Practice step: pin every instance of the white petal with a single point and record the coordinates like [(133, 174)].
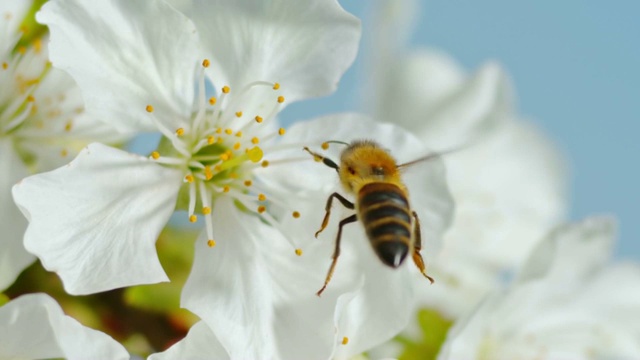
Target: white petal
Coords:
[(126, 55), (200, 343), (425, 93), (516, 194), (229, 287), (96, 220), (304, 45), (34, 327), (572, 251), (13, 256)]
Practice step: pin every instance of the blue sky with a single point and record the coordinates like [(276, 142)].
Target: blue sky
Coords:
[(575, 68)]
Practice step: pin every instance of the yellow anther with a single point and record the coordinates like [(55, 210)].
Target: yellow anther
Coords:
[(224, 157), (68, 126), (239, 134), (236, 146), (180, 132), (262, 197), (282, 131), (299, 252), (295, 214), (206, 63), (208, 174), (206, 210), (64, 153), (211, 243), (219, 131), (276, 86), (5, 66), (228, 131), (255, 140), (280, 99), (226, 188), (325, 145), (255, 154), (211, 139), (238, 114), (193, 218), (262, 209), (248, 183), (226, 89), (149, 108), (189, 178), (30, 98), (155, 155), (259, 119), (212, 100), (265, 163), (345, 340)]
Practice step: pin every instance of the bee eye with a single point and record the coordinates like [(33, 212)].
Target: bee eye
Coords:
[(351, 170), (377, 170)]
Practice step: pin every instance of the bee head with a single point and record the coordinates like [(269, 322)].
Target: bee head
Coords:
[(363, 162)]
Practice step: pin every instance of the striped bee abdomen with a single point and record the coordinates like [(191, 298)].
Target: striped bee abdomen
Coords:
[(384, 211)]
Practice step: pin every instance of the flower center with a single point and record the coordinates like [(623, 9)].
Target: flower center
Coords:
[(222, 147)]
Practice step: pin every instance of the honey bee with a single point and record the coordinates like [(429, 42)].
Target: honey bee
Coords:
[(370, 174)]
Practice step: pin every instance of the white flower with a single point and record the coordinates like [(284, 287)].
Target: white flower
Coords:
[(366, 302), (34, 327), (508, 180), (566, 304), (96, 220), (42, 125)]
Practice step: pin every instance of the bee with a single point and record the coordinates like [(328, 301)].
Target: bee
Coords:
[(372, 176)]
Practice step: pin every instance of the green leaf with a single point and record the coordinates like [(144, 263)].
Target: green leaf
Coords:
[(434, 332)]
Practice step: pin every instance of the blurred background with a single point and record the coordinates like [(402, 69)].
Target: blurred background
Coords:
[(575, 67)]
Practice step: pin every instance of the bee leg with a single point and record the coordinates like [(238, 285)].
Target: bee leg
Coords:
[(417, 246), (336, 252), (346, 203), (322, 159)]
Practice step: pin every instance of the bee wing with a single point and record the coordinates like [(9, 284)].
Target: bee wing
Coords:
[(430, 157)]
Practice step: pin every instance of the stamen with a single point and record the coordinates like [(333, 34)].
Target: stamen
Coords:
[(189, 178), (258, 119), (193, 218), (192, 200), (206, 63), (325, 145), (299, 252), (149, 108), (239, 134), (262, 197), (226, 188), (155, 155), (248, 183), (180, 132), (68, 126), (276, 86), (281, 131), (208, 174), (262, 209), (265, 163), (211, 243), (5, 66), (255, 140), (238, 114), (280, 99), (237, 146), (228, 131), (212, 100), (226, 89), (295, 214), (345, 340), (206, 210)]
